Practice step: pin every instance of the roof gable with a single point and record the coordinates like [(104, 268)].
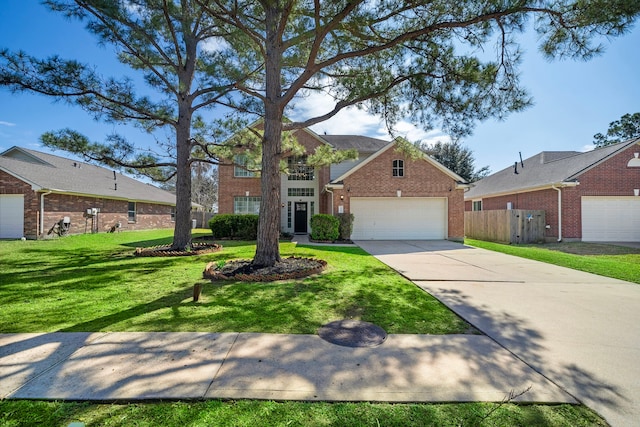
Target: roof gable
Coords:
[(18, 153), (388, 146)]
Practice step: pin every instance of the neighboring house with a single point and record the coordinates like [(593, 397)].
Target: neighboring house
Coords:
[(38, 190), (390, 195), (590, 196)]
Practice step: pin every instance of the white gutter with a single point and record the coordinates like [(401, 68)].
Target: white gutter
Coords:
[(326, 188), (42, 212), (559, 190)]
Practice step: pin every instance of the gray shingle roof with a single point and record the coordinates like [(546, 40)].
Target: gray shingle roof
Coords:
[(363, 144), (50, 172), (543, 170)]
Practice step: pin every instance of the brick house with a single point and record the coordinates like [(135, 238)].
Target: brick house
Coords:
[(591, 196), (39, 190), (390, 195)]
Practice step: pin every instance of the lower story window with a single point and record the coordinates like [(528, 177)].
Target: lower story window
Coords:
[(173, 214), (132, 212), (477, 205), (288, 214), (246, 205)]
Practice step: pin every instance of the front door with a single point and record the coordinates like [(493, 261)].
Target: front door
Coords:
[(300, 225)]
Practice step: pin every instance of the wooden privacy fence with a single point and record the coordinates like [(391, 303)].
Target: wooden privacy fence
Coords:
[(505, 226)]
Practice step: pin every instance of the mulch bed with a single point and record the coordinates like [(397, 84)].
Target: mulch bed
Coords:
[(243, 270), (197, 248)]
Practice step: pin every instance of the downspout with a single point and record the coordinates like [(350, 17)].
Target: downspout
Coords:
[(42, 212), (326, 188), (559, 190)]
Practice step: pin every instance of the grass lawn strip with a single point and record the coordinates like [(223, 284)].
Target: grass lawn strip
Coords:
[(90, 283), (268, 413), (618, 262)]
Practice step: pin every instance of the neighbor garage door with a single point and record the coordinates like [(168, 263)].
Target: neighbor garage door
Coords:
[(393, 218), (11, 216), (611, 219)]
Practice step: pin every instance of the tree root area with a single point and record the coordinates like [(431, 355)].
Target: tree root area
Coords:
[(245, 271)]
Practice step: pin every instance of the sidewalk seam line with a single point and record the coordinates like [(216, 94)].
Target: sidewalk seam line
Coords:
[(224, 359)]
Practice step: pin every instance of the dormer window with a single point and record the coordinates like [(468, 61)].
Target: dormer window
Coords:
[(397, 169)]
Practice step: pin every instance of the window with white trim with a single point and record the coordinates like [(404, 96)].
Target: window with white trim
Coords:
[(246, 205), (300, 192), (299, 170), (240, 167), (397, 168), (131, 212)]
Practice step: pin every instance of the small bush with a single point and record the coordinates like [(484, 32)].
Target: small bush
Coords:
[(324, 227), (232, 226), (346, 225)]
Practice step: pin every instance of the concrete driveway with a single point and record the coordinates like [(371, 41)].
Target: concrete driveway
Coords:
[(580, 330)]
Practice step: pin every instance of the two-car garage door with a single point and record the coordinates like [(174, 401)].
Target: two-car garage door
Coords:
[(392, 218), (11, 216), (611, 219)]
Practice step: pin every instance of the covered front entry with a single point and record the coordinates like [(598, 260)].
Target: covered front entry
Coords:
[(300, 218), (611, 219), (11, 216), (393, 218)]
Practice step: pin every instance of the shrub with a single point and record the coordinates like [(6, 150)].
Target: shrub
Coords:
[(346, 225), (324, 227), (230, 226)]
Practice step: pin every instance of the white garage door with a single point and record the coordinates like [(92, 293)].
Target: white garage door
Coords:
[(393, 218), (11, 216), (611, 219)]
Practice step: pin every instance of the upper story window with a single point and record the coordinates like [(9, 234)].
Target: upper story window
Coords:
[(398, 168), (477, 205), (240, 167), (299, 170)]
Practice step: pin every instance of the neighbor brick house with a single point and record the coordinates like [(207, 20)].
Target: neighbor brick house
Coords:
[(591, 196), (390, 195), (39, 190)]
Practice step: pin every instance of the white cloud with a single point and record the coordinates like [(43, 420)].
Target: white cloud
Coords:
[(3, 123), (586, 148), (355, 121), (214, 44)]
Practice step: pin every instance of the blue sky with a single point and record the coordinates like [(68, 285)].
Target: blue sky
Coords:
[(573, 99)]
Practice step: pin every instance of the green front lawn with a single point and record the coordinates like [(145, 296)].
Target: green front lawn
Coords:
[(94, 283), (267, 413), (618, 262)]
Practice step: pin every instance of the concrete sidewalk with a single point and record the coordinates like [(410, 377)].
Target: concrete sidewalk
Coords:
[(120, 366)]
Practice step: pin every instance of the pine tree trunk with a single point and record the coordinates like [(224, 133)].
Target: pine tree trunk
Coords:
[(182, 230), (268, 249)]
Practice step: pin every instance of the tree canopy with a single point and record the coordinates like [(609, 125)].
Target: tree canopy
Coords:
[(440, 63), (627, 127), (458, 158)]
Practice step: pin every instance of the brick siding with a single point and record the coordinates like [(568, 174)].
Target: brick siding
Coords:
[(373, 180), (421, 179), (57, 206), (610, 178)]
